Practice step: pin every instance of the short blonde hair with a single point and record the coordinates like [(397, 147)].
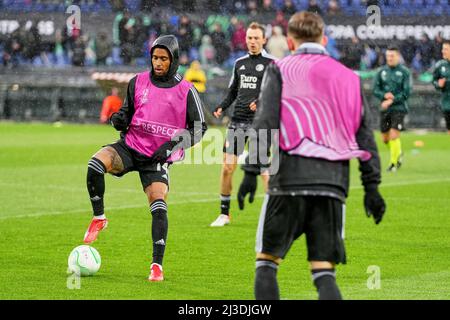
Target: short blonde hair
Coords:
[(256, 25), (306, 27)]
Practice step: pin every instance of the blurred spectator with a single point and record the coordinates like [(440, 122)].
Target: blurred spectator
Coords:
[(128, 43), (103, 48), (207, 51), (267, 7), (370, 57), (437, 47), (252, 8), (59, 55), (196, 76), (289, 8), (78, 52), (141, 35), (70, 35), (425, 51), (277, 44), (408, 50), (351, 54), (31, 42), (238, 42), (218, 40), (111, 104), (238, 7), (185, 34), (122, 26), (212, 20), (314, 7), (13, 47), (280, 21), (333, 8), (90, 56), (183, 63), (117, 25)]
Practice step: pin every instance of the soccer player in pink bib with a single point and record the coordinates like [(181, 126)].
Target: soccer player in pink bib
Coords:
[(161, 116), (316, 105)]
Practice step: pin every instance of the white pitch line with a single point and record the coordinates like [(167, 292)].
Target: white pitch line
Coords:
[(395, 184), (40, 214), (137, 190), (87, 210)]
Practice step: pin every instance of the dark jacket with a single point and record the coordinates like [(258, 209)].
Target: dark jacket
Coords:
[(396, 80), (299, 175), (442, 71), (245, 85)]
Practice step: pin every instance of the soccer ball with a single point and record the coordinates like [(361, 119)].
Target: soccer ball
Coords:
[(84, 261)]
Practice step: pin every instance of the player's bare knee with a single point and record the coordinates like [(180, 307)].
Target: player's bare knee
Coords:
[(154, 192), (314, 265), (105, 155), (269, 257), (228, 169), (112, 160)]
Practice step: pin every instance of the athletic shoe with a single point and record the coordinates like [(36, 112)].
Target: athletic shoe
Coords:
[(95, 227), (392, 168), (156, 273), (400, 161), (221, 221)]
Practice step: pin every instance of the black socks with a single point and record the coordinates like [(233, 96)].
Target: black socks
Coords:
[(96, 185), (266, 285), (160, 225), (325, 282), (225, 204)]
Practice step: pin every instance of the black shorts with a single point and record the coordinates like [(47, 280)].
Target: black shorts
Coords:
[(285, 218), (237, 136), (135, 161), (392, 120), (447, 119)]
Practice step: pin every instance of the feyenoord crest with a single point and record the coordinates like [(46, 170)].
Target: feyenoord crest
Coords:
[(260, 67)]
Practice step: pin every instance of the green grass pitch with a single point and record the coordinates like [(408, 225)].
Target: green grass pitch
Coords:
[(45, 211)]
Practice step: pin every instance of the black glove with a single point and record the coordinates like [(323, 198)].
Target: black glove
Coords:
[(374, 204), (163, 153), (248, 185), (118, 121)]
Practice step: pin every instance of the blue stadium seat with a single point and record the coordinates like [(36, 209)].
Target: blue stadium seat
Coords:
[(355, 7)]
